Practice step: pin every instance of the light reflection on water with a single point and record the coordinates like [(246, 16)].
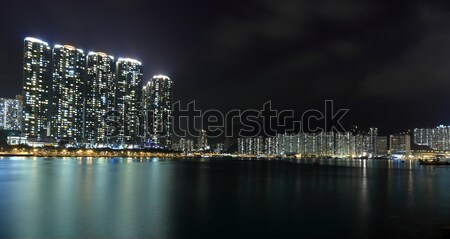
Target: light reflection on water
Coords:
[(165, 198)]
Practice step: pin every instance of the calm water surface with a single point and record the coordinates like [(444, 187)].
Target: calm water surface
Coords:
[(123, 198)]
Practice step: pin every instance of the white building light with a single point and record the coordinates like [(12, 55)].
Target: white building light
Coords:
[(32, 39)]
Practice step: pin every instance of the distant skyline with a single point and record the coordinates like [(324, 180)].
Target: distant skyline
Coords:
[(385, 61)]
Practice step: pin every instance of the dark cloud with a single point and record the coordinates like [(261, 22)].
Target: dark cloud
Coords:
[(424, 68), (232, 54)]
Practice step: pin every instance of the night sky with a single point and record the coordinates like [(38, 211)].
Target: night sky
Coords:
[(387, 61)]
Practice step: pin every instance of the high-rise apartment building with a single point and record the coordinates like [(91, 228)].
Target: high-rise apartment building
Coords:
[(342, 144), (437, 138), (99, 97), (68, 85), (10, 114), (91, 99), (441, 138), (36, 87), (381, 146), (400, 144), (157, 104), (128, 101), (373, 133), (423, 136), (202, 142)]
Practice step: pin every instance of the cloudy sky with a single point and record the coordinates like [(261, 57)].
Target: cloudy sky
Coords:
[(387, 61)]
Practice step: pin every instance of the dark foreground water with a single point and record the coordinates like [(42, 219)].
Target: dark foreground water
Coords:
[(122, 198)]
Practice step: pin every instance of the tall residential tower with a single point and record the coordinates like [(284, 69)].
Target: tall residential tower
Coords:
[(99, 96), (68, 84), (157, 104), (128, 100), (36, 87)]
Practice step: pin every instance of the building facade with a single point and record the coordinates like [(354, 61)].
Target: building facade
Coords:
[(400, 144), (10, 114), (157, 104), (68, 86), (128, 101), (321, 144), (423, 136), (90, 99), (36, 87), (437, 138), (381, 146), (202, 141), (373, 133), (99, 97)]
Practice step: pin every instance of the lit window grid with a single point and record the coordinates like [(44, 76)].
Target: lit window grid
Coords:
[(36, 72)]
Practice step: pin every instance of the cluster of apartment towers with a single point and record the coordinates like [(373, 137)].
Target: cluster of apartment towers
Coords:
[(92, 99), (333, 144)]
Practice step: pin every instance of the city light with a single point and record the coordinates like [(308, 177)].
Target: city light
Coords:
[(32, 39), (129, 60)]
